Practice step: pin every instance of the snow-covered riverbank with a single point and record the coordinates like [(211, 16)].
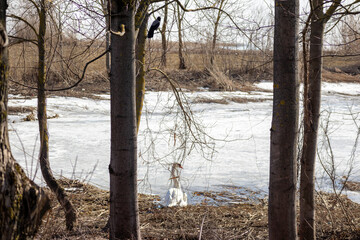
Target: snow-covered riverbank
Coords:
[(80, 139)]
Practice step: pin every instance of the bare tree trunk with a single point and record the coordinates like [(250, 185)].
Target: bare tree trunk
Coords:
[(61, 43), (107, 34), (312, 102), (22, 203), (216, 25), (163, 35), (140, 78), (284, 128), (70, 213), (181, 56), (124, 212), (311, 123)]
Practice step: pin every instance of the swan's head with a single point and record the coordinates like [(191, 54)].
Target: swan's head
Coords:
[(176, 165)]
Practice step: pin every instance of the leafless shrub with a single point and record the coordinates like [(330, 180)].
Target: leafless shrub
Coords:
[(221, 80), (338, 178)]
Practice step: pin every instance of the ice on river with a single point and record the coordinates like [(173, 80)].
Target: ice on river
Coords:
[(239, 135)]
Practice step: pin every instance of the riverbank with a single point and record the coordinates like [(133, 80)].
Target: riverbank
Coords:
[(337, 217)]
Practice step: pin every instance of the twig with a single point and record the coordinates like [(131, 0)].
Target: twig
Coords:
[(201, 226)]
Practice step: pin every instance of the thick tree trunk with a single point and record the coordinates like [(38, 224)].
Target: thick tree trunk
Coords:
[(163, 35), (140, 78), (284, 128), (22, 203), (182, 64), (70, 213), (124, 213), (311, 124)]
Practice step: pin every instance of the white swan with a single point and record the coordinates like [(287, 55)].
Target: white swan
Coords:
[(175, 196)]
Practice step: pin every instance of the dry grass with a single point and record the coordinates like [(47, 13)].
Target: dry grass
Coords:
[(210, 100), (232, 69), (352, 186), (245, 100), (240, 221), (227, 100), (340, 62), (339, 77), (341, 69), (220, 80), (18, 110), (337, 218)]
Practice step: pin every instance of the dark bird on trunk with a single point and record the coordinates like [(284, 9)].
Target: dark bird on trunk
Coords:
[(153, 27)]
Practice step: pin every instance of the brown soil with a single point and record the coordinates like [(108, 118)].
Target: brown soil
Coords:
[(337, 218)]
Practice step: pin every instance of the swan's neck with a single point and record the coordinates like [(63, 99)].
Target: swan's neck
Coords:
[(175, 177), (176, 183)]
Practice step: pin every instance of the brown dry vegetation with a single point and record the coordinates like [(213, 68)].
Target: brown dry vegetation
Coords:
[(232, 70), (337, 218), (227, 100), (341, 68)]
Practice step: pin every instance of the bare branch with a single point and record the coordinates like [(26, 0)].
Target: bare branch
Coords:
[(21, 40), (26, 22), (70, 87), (213, 8)]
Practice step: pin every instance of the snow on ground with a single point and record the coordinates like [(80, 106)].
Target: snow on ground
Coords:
[(80, 139)]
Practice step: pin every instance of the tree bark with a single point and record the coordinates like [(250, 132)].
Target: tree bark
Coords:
[(61, 43), (140, 78), (104, 5), (163, 35), (182, 64), (70, 213), (215, 35), (284, 128), (22, 203), (312, 102), (311, 124), (124, 213)]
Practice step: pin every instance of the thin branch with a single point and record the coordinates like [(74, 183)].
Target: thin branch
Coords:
[(26, 22), (212, 8), (331, 10), (36, 6), (21, 40)]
